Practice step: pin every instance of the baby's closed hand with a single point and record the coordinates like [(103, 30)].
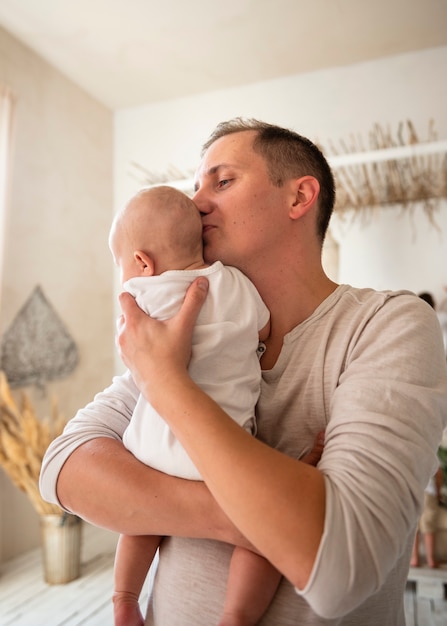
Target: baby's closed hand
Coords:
[(315, 454)]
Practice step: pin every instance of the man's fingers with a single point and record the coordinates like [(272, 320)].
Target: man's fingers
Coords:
[(130, 312), (127, 302), (194, 299)]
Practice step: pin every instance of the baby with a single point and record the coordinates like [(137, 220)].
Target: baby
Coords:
[(156, 242)]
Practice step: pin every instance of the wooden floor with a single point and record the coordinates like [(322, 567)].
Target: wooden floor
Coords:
[(26, 600), (426, 597), (421, 611)]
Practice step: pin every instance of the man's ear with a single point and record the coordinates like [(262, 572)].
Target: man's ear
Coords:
[(306, 190), (144, 262)]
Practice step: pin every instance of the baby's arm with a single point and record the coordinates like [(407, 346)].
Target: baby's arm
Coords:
[(134, 555)]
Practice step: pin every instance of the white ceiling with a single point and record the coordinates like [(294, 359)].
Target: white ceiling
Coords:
[(131, 52)]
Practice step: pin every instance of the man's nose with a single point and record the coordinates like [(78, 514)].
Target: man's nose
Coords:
[(201, 201)]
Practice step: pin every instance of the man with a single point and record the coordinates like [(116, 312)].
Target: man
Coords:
[(365, 366)]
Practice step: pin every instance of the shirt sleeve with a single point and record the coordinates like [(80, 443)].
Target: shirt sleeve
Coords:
[(106, 416), (386, 420)]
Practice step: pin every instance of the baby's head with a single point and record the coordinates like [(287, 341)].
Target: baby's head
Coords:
[(159, 229)]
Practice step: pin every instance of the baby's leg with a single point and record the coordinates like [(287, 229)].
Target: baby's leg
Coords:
[(134, 555), (252, 583)]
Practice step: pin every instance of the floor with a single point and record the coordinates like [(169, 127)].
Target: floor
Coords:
[(26, 599), (426, 597)]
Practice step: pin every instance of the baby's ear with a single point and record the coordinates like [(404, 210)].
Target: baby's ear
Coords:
[(144, 262)]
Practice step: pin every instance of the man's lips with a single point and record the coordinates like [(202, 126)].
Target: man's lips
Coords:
[(207, 227)]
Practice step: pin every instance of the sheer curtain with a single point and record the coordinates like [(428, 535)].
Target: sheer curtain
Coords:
[(7, 102)]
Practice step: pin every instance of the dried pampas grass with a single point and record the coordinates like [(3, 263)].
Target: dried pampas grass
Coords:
[(406, 181), (24, 439)]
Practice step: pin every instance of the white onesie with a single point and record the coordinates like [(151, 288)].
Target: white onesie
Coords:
[(224, 361)]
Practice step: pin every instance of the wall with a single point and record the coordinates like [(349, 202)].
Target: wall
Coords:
[(395, 250), (327, 105), (59, 215)]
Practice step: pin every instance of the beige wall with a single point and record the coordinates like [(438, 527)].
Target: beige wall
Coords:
[(60, 210)]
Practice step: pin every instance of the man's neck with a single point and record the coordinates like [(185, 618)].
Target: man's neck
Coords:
[(291, 299)]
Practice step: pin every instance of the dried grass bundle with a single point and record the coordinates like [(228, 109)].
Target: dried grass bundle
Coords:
[(24, 439), (407, 181)]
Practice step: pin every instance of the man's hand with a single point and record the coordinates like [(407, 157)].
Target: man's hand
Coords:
[(152, 349)]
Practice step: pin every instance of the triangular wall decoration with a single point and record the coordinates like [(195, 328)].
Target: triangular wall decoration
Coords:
[(37, 347)]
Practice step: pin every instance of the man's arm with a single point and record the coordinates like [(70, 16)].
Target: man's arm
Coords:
[(88, 471), (105, 484)]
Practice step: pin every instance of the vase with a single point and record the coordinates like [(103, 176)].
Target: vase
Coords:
[(61, 547)]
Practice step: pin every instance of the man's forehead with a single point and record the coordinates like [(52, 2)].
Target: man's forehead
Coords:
[(228, 151), (233, 141), (210, 170)]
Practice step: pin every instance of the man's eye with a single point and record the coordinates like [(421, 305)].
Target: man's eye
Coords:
[(224, 182)]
